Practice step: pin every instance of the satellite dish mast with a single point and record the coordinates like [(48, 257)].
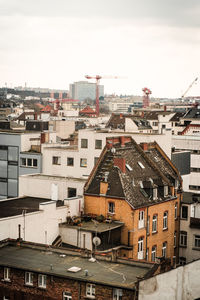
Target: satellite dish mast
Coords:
[(96, 241)]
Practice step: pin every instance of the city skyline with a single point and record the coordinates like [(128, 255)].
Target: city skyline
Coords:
[(148, 43)]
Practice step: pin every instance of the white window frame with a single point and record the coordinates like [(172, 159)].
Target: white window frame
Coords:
[(90, 290), (28, 278), (175, 239), (67, 296), (176, 211), (197, 240), (165, 190), (155, 193), (183, 238), (83, 162), (154, 223), (82, 143), (141, 248), (111, 207), (148, 225), (165, 220), (117, 294), (26, 162), (6, 273), (153, 253), (43, 283), (141, 219), (58, 158), (97, 146), (164, 249)]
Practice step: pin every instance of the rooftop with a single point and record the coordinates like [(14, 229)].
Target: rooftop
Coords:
[(56, 263), (15, 207), (53, 177)]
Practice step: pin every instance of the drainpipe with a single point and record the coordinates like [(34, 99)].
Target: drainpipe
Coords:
[(146, 232)]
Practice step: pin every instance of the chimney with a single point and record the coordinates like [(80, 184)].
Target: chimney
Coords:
[(144, 146), (120, 163), (165, 108), (121, 116), (122, 141), (35, 116)]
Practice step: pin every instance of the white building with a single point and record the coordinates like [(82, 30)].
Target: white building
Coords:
[(82, 90)]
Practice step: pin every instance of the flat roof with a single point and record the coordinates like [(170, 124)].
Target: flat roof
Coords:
[(15, 207), (49, 262), (53, 177), (95, 227)]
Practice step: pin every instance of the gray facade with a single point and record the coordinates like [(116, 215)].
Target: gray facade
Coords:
[(12, 164), (182, 161), (82, 90)]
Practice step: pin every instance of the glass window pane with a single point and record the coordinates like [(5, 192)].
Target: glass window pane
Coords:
[(3, 169), (3, 154), (3, 189), (12, 172), (12, 188), (13, 153)]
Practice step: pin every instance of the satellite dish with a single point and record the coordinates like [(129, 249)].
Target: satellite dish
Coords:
[(96, 241)]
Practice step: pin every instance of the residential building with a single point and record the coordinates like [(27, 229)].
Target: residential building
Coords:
[(33, 272), (189, 242), (140, 187), (82, 90)]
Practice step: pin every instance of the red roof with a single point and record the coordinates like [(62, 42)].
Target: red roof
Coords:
[(47, 108), (88, 110)]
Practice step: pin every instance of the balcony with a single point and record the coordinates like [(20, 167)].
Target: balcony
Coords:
[(195, 223)]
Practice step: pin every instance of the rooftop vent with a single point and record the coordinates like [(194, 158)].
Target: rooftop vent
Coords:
[(141, 165), (129, 167)]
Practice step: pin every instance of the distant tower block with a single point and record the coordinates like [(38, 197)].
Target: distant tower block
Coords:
[(52, 95), (60, 95), (147, 92)]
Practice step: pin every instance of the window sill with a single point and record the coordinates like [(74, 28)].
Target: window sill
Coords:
[(42, 287), (28, 167), (154, 232), (89, 297), (6, 280), (164, 229), (195, 248), (182, 246), (28, 285), (56, 164)]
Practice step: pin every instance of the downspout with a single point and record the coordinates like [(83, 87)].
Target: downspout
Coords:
[(146, 232)]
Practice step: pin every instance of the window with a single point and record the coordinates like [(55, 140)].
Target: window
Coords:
[(155, 194), (56, 160), (197, 241), (176, 210), (148, 223), (147, 254), (164, 249), (7, 274), (71, 192), (154, 224), (84, 143), (141, 165), (175, 235), (141, 219), (6, 298), (70, 161), (165, 190), (111, 207), (183, 238), (184, 212), (42, 281), (98, 144), (153, 253), (83, 162), (95, 160), (165, 217), (140, 247), (29, 162), (117, 294), (29, 278), (90, 290), (67, 296)]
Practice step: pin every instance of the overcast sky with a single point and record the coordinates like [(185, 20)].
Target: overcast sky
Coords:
[(52, 43)]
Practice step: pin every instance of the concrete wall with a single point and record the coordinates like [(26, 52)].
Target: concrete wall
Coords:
[(75, 237), (37, 227), (178, 284)]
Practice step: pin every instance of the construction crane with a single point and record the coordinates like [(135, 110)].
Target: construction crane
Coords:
[(190, 86), (98, 77), (147, 92)]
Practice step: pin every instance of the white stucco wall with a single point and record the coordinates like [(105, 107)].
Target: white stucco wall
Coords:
[(75, 237), (38, 227), (178, 284)]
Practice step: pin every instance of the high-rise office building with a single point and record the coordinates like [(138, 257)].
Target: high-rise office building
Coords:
[(82, 90)]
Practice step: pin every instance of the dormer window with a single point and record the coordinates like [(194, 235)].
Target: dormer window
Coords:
[(155, 193), (165, 190)]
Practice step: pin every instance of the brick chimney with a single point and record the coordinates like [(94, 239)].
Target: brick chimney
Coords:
[(120, 163), (144, 146)]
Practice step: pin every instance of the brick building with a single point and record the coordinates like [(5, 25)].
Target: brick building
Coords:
[(31, 271), (139, 186)]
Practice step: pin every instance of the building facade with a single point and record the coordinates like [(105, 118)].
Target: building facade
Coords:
[(82, 90)]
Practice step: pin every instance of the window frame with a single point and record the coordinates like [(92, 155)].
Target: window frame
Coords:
[(184, 206), (111, 207), (43, 281), (58, 163), (164, 249), (96, 146), (6, 274), (24, 162), (154, 223), (153, 253), (30, 278), (176, 210), (82, 143), (183, 239), (141, 217), (90, 290), (69, 190), (67, 295), (197, 238), (165, 220), (117, 294), (83, 165), (69, 164), (141, 247)]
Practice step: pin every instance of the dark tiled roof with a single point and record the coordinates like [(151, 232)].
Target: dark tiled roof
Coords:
[(177, 116), (193, 113), (15, 207), (143, 171), (117, 121)]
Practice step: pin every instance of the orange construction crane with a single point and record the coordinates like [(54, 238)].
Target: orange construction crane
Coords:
[(98, 77)]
